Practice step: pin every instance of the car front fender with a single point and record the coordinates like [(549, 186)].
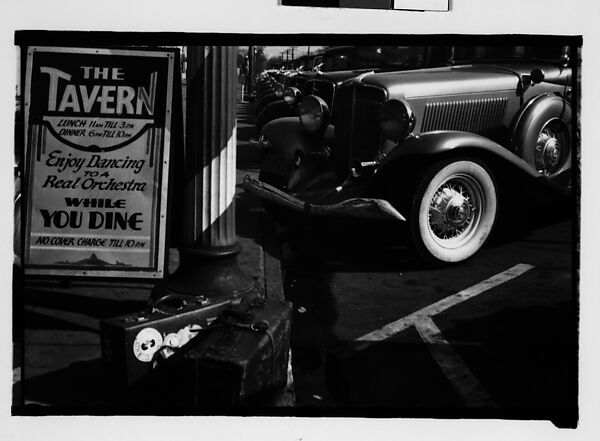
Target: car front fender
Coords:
[(287, 137), (427, 146), (273, 111), (265, 100), (410, 157)]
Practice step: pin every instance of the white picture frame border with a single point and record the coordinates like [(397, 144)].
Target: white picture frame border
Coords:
[(417, 5)]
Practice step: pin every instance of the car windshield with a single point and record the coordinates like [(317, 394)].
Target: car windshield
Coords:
[(337, 61), (550, 53), (405, 57), (365, 57), (307, 63)]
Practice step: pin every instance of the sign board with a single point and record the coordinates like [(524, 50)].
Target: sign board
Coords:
[(97, 134)]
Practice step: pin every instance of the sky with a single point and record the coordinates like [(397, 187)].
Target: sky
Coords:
[(271, 51)]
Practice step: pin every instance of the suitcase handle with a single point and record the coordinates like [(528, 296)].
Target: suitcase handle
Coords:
[(183, 301)]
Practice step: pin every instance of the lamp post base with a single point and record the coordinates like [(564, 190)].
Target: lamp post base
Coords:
[(208, 272)]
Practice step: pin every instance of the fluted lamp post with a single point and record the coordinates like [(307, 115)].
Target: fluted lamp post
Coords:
[(208, 244)]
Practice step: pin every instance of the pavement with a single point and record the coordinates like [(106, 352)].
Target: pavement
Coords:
[(378, 333), (57, 352)]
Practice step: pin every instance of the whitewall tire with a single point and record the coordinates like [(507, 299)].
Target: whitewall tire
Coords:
[(453, 210)]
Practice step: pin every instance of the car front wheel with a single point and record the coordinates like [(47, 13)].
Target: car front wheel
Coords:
[(453, 210)]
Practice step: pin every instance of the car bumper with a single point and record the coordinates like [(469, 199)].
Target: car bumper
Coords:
[(370, 208)]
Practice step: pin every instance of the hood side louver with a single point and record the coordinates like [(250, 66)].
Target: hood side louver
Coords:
[(473, 115)]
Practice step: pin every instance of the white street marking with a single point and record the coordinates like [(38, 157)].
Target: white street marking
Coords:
[(456, 371), (410, 320)]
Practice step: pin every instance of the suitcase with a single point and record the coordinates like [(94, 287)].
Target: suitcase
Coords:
[(238, 361), (133, 344)]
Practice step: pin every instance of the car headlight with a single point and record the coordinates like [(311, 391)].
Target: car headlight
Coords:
[(264, 144), (291, 94), (314, 113), (279, 91), (397, 120)]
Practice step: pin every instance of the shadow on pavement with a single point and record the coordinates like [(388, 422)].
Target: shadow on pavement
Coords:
[(398, 374), (536, 209), (378, 245), (314, 315), (526, 359), (531, 375), (94, 307), (78, 388)]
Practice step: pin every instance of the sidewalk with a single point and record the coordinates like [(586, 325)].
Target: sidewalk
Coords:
[(57, 349)]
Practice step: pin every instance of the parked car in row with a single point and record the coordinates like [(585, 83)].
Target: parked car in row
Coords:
[(271, 84), (356, 60), (437, 148), (331, 60)]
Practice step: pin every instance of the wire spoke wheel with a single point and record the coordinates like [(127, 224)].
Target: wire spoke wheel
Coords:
[(552, 147), (453, 212)]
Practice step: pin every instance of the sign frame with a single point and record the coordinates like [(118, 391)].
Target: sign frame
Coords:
[(157, 259)]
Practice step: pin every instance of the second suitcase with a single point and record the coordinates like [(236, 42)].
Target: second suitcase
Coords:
[(236, 362)]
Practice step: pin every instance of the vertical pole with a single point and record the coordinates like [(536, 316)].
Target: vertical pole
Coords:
[(251, 68), (208, 263)]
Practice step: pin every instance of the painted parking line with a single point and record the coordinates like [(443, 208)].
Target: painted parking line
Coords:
[(466, 385), (400, 325)]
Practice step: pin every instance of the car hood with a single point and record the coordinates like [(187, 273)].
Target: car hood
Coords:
[(453, 80), (343, 75), (336, 77)]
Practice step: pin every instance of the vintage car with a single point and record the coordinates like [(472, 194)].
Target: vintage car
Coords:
[(342, 63), (436, 148), (307, 63), (274, 102), (311, 62), (271, 89), (271, 84)]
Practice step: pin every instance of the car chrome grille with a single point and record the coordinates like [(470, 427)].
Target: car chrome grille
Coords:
[(321, 88), (473, 115), (298, 82), (357, 129)]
